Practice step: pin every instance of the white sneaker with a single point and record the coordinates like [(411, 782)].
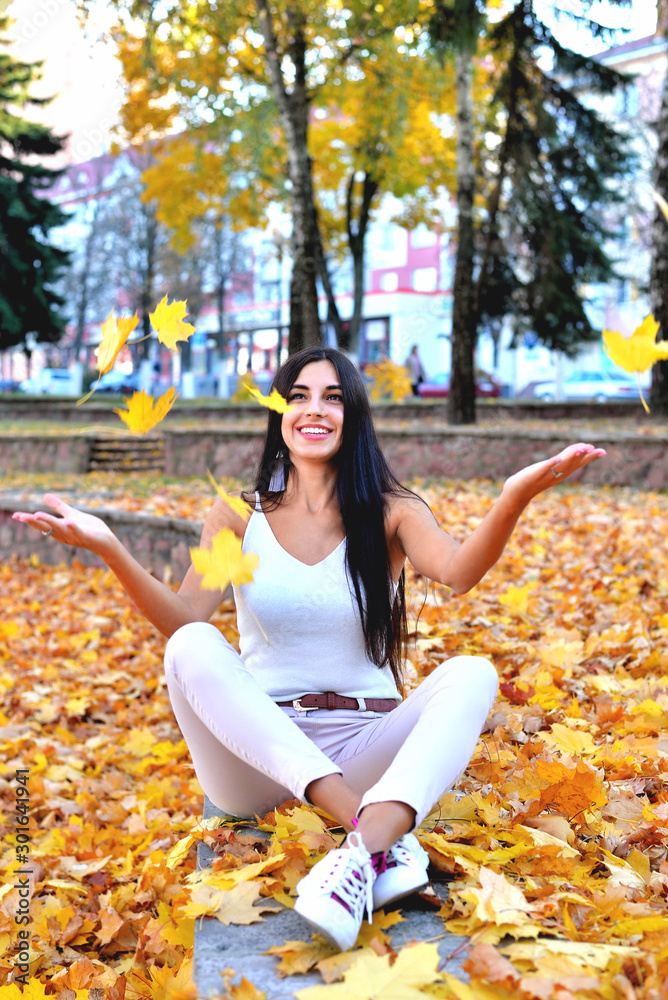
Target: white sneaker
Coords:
[(405, 872), (337, 891)]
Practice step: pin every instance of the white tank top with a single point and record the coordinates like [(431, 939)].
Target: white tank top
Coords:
[(311, 620)]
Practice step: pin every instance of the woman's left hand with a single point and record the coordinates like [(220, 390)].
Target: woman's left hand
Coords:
[(529, 482)]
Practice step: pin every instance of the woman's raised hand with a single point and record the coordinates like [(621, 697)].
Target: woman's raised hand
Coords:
[(536, 478), (69, 525)]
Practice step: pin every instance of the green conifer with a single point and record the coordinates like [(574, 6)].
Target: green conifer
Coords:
[(29, 264)]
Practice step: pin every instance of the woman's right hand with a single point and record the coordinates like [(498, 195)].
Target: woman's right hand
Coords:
[(69, 525)]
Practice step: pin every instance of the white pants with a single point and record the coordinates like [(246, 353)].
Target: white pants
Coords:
[(250, 755)]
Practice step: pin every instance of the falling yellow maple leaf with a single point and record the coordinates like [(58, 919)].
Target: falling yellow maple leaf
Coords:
[(144, 413), (114, 335), (224, 562), (238, 505), (167, 321), (638, 352), (274, 401)]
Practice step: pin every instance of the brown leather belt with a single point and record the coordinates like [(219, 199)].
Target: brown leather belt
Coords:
[(329, 700)]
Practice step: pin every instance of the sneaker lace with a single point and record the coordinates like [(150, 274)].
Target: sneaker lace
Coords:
[(363, 876)]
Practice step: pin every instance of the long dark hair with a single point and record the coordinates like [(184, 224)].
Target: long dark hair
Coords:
[(363, 486)]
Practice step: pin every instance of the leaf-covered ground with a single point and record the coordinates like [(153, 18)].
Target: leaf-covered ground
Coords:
[(557, 848)]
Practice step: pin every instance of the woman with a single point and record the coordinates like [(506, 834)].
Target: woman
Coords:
[(311, 707), (415, 369)]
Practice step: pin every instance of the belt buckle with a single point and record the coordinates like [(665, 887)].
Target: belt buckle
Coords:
[(298, 707)]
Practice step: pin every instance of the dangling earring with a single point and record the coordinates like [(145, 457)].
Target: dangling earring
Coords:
[(277, 481)]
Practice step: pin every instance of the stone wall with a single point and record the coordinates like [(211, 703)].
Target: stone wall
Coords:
[(44, 453), (225, 451), (439, 452), (431, 451), (160, 544)]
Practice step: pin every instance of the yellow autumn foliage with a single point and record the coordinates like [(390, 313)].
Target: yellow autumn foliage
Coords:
[(388, 380), (556, 836)]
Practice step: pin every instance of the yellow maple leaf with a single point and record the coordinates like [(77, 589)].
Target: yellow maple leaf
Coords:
[(172, 984), (167, 321), (243, 990), (517, 598), (298, 957), (34, 990), (238, 905), (224, 562), (638, 352), (274, 401), (179, 932), (114, 335), (569, 740), (238, 505), (498, 900), (144, 412), (373, 976)]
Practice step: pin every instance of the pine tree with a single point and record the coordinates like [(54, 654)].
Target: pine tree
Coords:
[(29, 264), (556, 176), (548, 181)]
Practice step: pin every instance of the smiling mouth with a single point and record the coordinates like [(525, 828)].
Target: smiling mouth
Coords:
[(314, 432)]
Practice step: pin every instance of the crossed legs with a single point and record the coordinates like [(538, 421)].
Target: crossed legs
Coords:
[(250, 755)]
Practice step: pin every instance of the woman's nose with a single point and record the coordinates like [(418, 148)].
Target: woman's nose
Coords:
[(314, 407)]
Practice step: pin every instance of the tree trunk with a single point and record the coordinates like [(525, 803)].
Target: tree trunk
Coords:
[(221, 278), (305, 327), (82, 307), (461, 400), (494, 200), (148, 279), (659, 264), (357, 230)]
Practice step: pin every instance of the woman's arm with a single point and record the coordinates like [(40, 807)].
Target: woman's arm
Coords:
[(437, 555), (156, 601)]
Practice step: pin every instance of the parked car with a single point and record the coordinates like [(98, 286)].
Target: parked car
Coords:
[(9, 385), (51, 382), (599, 386), (119, 382), (29, 385), (438, 387)]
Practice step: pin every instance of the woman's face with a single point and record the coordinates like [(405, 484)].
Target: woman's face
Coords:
[(314, 428)]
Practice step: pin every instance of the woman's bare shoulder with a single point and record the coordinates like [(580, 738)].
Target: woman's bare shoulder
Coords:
[(400, 505)]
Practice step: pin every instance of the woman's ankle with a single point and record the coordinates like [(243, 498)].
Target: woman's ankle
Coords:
[(381, 824)]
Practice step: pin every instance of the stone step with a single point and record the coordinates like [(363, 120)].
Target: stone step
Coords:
[(127, 454)]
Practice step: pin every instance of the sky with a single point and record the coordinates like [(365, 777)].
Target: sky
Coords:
[(80, 70)]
